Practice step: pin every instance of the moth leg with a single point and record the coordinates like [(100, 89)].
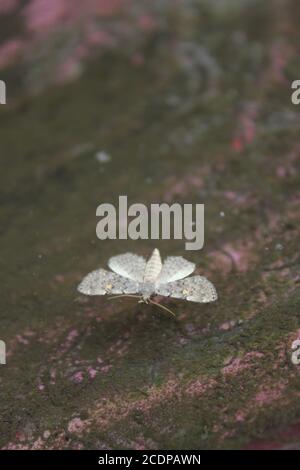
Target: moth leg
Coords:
[(162, 307), (124, 295)]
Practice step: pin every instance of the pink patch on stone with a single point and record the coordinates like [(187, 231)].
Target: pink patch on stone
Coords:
[(298, 334), (281, 171), (38, 444), (183, 186), (42, 15), (240, 416), (46, 434), (267, 395), (92, 372), (237, 144), (72, 335), (22, 340), (105, 369), (227, 325), (20, 436), (235, 197), (78, 377), (241, 363), (280, 55), (110, 7), (220, 262), (100, 38), (7, 6), (199, 387), (139, 447), (76, 425), (147, 23), (69, 70), (12, 446), (246, 132), (137, 59), (59, 278), (240, 254), (10, 51)]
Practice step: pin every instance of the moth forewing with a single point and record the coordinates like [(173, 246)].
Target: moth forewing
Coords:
[(102, 282), (195, 289), (93, 283), (153, 267)]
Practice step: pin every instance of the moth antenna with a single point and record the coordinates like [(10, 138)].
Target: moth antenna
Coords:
[(123, 295), (163, 307)]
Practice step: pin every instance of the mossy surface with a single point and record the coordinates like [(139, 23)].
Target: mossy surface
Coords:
[(206, 117)]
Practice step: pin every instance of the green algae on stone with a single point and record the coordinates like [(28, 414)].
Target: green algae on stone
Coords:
[(209, 123)]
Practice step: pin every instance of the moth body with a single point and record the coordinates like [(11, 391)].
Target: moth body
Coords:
[(153, 267), (146, 291)]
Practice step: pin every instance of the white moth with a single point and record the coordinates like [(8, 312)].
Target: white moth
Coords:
[(132, 274)]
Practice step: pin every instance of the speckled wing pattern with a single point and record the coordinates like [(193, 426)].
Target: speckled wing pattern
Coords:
[(101, 282), (194, 289), (128, 265), (129, 277), (174, 268)]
